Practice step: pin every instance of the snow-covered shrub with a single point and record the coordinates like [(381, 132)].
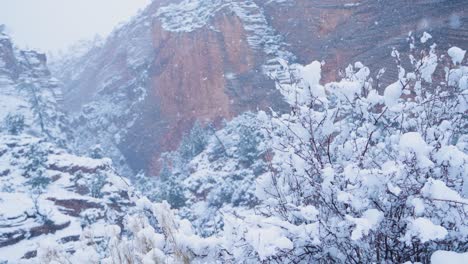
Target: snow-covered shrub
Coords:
[(384, 176), (249, 140), (14, 123), (96, 152), (96, 184)]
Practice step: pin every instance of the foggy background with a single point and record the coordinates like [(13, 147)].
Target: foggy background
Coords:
[(53, 25)]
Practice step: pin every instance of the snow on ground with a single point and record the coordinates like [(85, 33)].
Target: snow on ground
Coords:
[(58, 209), (449, 257)]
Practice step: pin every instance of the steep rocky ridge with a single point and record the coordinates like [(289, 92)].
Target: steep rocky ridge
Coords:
[(45, 191), (181, 61), (30, 93)]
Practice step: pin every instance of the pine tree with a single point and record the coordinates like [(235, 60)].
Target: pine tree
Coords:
[(35, 168), (195, 142), (96, 185), (96, 152), (248, 143), (171, 189), (14, 123)]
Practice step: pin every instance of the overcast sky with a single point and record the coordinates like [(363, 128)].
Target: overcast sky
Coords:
[(51, 25)]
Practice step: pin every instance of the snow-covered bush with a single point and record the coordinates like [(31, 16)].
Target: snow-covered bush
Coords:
[(96, 152), (96, 184), (14, 123), (379, 178)]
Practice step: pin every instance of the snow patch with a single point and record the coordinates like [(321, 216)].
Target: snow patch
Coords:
[(424, 230), (370, 219), (444, 257), (456, 54), (425, 37), (392, 93)]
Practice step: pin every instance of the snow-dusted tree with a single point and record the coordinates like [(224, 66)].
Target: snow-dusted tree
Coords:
[(96, 152), (249, 140), (195, 142), (38, 105), (35, 167), (170, 188), (48, 120), (14, 123), (96, 184)]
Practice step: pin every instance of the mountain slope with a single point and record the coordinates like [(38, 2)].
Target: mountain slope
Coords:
[(46, 193)]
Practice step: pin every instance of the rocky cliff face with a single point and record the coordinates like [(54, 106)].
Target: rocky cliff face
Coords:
[(341, 32), (177, 62), (29, 95)]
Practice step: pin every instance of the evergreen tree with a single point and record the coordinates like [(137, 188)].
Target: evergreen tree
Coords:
[(171, 189), (35, 168), (248, 144), (195, 142), (14, 123), (96, 152), (96, 185)]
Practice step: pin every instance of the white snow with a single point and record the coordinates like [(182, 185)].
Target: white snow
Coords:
[(67, 161), (456, 54), (358, 65), (13, 205), (436, 189), (429, 65), (418, 205), (312, 75), (425, 37), (392, 93), (424, 230), (267, 239), (370, 219), (412, 142), (188, 15), (449, 257)]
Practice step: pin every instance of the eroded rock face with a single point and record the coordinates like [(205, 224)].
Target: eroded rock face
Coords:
[(206, 75), (182, 61), (342, 32)]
